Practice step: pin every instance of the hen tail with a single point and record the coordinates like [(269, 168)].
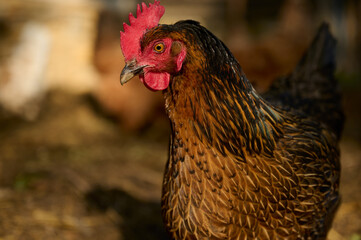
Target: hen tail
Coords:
[(311, 89)]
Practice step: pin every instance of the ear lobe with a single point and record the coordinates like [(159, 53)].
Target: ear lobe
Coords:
[(180, 59), (178, 51)]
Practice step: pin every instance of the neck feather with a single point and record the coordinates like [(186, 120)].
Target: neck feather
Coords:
[(224, 113), (215, 100)]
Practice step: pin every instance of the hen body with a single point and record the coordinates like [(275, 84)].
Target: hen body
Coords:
[(239, 167)]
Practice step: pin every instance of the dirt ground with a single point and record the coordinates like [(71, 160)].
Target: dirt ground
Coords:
[(73, 174)]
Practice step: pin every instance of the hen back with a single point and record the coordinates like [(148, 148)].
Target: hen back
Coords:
[(242, 166), (311, 89)]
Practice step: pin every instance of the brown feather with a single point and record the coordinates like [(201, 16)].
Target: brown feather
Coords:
[(240, 168)]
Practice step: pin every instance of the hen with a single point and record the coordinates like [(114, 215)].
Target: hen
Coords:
[(240, 166)]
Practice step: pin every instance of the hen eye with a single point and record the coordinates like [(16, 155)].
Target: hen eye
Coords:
[(159, 48)]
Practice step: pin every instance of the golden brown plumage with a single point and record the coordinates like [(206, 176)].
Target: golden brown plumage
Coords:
[(239, 167)]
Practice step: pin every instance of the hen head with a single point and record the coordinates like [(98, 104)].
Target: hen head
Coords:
[(149, 53)]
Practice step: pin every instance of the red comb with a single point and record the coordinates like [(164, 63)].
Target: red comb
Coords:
[(146, 19)]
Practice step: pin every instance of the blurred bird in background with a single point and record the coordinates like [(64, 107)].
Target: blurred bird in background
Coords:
[(241, 166)]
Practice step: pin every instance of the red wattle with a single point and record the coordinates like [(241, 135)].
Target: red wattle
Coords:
[(156, 81)]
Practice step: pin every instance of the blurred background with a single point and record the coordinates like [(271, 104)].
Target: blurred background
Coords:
[(82, 157)]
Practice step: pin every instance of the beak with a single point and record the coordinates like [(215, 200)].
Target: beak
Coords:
[(130, 70)]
